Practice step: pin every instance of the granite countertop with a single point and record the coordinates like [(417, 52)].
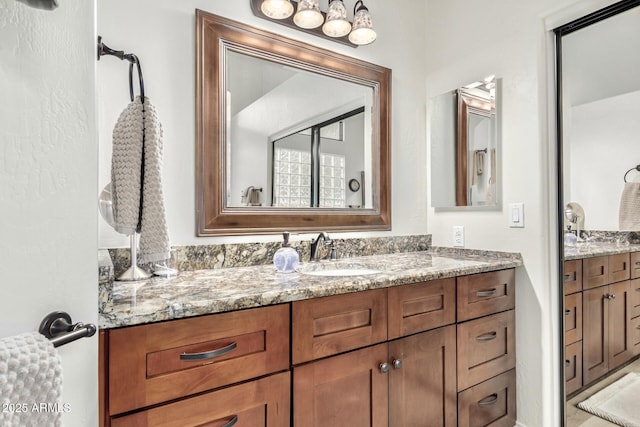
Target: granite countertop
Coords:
[(592, 249), (199, 292)]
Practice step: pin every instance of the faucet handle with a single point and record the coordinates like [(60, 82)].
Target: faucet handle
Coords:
[(334, 251)]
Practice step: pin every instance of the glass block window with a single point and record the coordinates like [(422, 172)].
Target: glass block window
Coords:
[(291, 178), (332, 182)]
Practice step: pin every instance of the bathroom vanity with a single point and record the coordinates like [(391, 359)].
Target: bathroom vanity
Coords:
[(429, 337), (602, 311)]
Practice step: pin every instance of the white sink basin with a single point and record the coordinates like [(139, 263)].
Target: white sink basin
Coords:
[(338, 269)]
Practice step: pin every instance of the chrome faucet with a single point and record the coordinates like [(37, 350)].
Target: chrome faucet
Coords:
[(314, 253)]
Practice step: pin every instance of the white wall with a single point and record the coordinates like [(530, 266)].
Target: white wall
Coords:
[(603, 141), (48, 183), (467, 41), (162, 34)]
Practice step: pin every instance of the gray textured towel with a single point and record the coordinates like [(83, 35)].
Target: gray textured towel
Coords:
[(139, 123), (629, 215)]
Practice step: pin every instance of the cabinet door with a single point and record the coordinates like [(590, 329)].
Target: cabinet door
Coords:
[(572, 318), (619, 344), (594, 330), (263, 402), (635, 335), (422, 381), (572, 276), (345, 390), (573, 367)]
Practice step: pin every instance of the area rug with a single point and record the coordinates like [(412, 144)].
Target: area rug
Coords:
[(618, 403)]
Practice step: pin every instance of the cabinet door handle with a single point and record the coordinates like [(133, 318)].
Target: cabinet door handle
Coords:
[(488, 401), (611, 296), (567, 276), (384, 367), (192, 357), (485, 294), (567, 312), (487, 337), (232, 421), (397, 363)]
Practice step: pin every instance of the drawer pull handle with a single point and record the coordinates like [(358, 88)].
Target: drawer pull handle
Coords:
[(485, 294), (191, 357), (567, 312), (488, 401), (637, 263), (232, 421), (487, 337), (567, 276), (567, 362)]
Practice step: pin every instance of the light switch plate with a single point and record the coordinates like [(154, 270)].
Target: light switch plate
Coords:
[(458, 236), (516, 215)]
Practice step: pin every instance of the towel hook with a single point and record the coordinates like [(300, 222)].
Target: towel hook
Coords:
[(637, 168), (140, 79)]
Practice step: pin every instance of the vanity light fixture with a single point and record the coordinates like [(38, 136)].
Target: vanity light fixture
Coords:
[(308, 14), (277, 9), (362, 32), (309, 17), (336, 24)]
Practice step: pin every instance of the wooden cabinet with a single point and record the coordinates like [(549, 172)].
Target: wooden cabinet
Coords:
[(606, 329), (573, 318), (154, 364), (486, 350), (386, 357), (410, 380)]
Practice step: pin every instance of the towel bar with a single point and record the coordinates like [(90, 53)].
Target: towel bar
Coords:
[(57, 326)]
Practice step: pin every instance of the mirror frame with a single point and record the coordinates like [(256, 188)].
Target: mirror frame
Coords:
[(214, 34), (467, 104)]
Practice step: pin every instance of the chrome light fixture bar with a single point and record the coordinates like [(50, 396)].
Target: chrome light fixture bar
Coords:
[(331, 25)]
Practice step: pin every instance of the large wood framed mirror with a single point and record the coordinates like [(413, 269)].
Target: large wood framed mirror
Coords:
[(284, 132)]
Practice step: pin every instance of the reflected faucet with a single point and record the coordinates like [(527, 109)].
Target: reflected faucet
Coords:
[(314, 253)]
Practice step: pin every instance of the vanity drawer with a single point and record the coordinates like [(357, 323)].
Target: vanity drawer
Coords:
[(486, 347), (150, 364), (421, 306), (619, 267), (485, 293), (491, 403), (635, 335), (572, 276), (635, 297), (573, 367), (595, 272), (635, 265), (335, 324), (572, 318), (263, 402)]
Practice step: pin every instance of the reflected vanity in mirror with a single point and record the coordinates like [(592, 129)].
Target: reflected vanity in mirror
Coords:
[(465, 146), (284, 130)]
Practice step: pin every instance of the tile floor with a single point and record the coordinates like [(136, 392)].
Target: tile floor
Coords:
[(577, 417)]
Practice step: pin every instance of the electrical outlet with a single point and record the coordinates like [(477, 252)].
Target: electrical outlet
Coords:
[(458, 236)]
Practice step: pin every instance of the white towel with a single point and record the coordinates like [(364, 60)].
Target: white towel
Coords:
[(137, 138), (30, 382), (629, 214)]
